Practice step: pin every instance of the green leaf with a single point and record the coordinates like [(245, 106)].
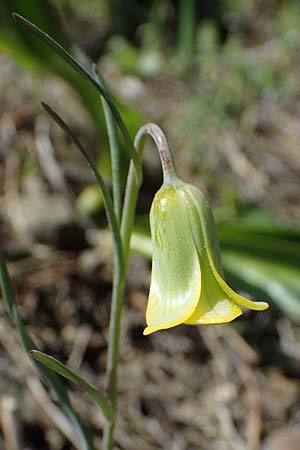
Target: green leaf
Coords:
[(115, 151), (273, 243), (64, 54), (101, 401), (109, 208), (28, 344), (7, 292), (263, 258), (34, 55), (277, 281), (46, 16)]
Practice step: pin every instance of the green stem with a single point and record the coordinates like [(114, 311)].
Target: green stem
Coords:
[(127, 223), (166, 157), (113, 352)]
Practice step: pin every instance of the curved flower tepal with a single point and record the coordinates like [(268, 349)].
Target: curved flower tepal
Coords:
[(187, 284)]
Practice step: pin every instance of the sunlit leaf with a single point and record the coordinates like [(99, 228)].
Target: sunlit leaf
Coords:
[(101, 401), (64, 54)]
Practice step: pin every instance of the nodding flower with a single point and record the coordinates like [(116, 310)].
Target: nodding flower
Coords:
[(187, 282)]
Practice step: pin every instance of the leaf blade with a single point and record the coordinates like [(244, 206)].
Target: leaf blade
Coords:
[(61, 369), (62, 52), (115, 151), (117, 242)]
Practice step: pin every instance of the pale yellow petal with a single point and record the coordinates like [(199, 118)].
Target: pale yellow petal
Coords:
[(242, 301), (175, 282), (214, 306), (208, 247)]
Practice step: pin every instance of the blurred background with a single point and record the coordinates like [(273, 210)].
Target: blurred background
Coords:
[(222, 79)]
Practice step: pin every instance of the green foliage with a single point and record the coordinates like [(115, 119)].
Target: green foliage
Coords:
[(186, 32), (56, 366), (264, 259), (113, 212), (77, 66), (107, 200), (233, 76), (228, 75), (51, 378), (34, 54)]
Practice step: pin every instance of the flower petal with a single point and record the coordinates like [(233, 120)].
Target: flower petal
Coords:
[(212, 250), (176, 279), (242, 301), (222, 311), (214, 305), (203, 226)]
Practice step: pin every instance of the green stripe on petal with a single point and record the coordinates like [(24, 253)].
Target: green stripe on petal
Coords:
[(203, 225), (176, 279), (214, 306), (214, 286), (242, 301)]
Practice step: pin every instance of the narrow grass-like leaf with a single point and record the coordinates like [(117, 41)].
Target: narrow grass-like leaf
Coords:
[(62, 52), (109, 208), (115, 151), (186, 32), (7, 293), (66, 372), (51, 378), (33, 54)]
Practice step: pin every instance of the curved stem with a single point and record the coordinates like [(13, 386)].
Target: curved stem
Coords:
[(166, 157), (131, 192), (128, 215)]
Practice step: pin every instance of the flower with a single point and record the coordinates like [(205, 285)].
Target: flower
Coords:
[(187, 284)]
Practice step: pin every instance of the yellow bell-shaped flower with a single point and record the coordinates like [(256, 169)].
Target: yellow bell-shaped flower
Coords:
[(187, 284)]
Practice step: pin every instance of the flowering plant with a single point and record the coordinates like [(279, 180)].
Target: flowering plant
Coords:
[(187, 284)]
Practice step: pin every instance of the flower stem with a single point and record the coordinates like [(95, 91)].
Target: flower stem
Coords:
[(131, 192), (166, 157), (127, 222), (113, 352)]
